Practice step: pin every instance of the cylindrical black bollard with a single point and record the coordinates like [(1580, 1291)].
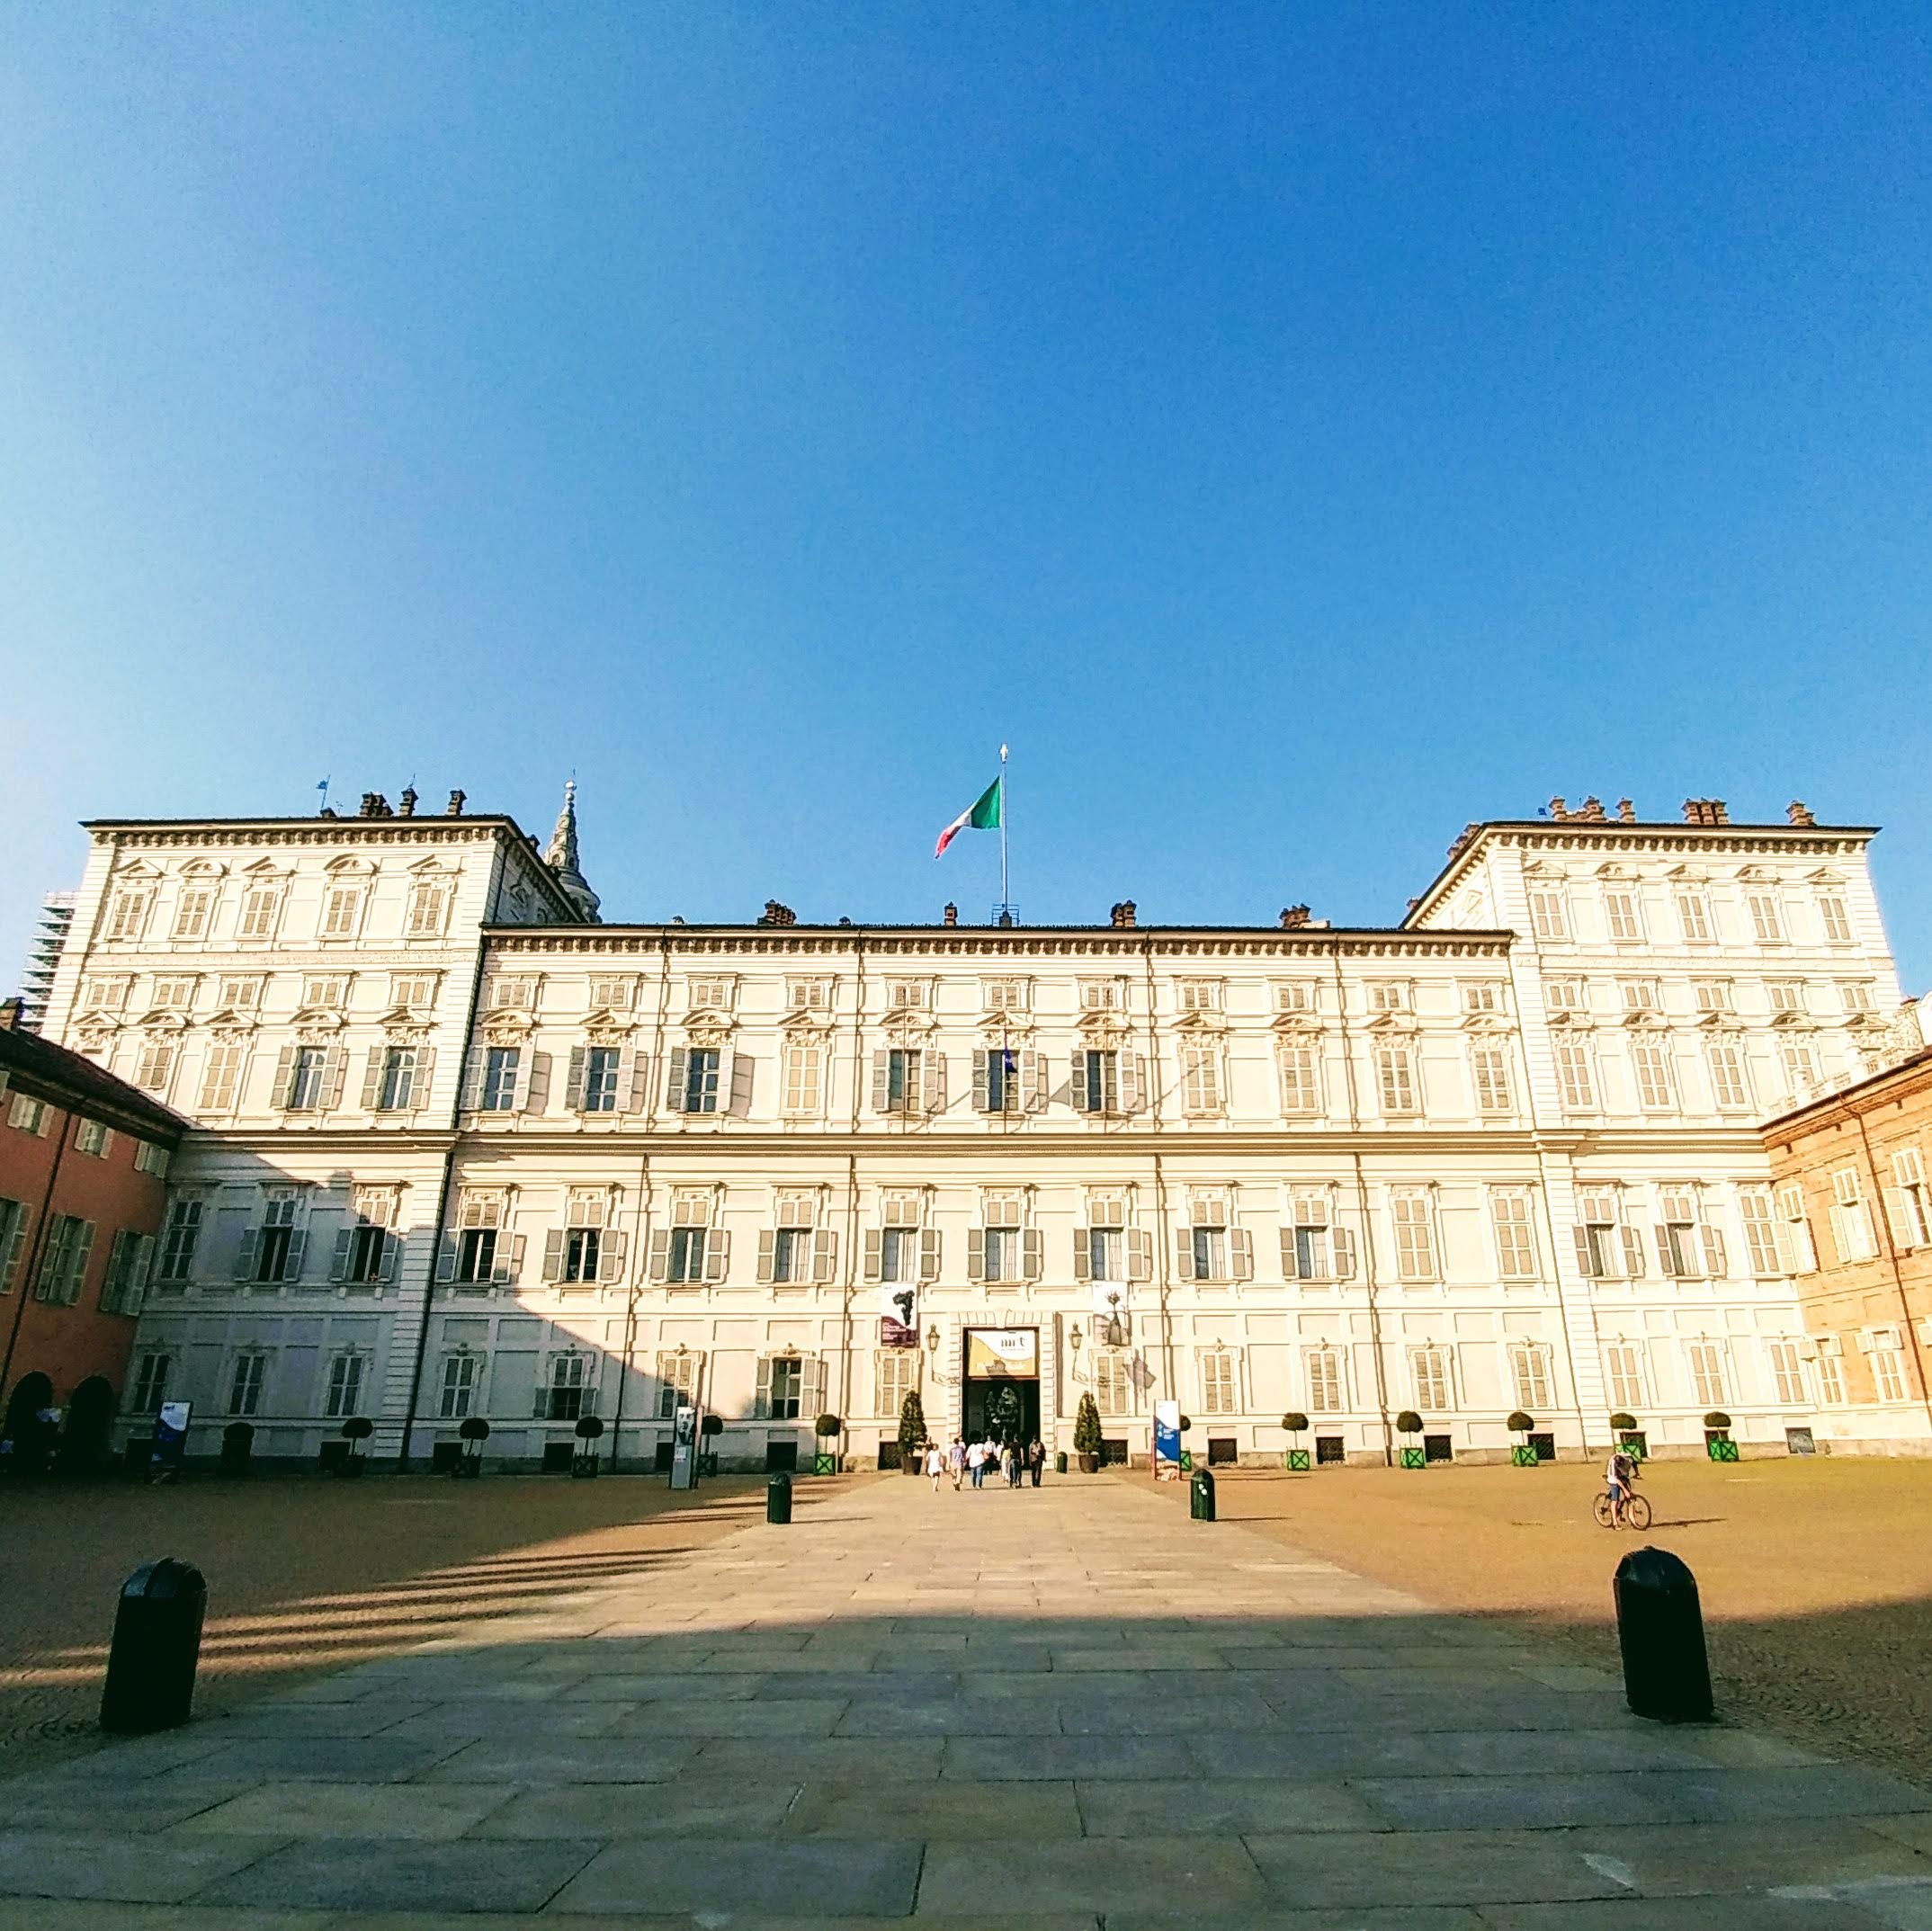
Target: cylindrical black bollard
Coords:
[(778, 1498), (1660, 1629), (157, 1642), (1200, 1497)]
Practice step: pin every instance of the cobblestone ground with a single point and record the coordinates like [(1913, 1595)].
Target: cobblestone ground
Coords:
[(309, 1576), (1815, 1576)]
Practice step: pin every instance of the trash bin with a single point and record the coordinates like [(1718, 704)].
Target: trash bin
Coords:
[(156, 1644), (778, 1498), (1659, 1630), (1201, 1496), (1059, 1463)]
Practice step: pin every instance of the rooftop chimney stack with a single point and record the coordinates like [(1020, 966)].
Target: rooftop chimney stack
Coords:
[(406, 804), (1626, 812), (1122, 915), (1591, 812), (1295, 918), (454, 809), (951, 916), (375, 805), (1705, 811), (1559, 809), (1800, 814), (778, 915)]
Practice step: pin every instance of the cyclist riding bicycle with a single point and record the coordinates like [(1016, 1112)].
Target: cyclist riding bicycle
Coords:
[(1621, 1475)]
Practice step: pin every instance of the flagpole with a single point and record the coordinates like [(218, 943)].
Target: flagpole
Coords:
[(1006, 900)]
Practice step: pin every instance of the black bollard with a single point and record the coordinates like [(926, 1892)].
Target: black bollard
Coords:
[(778, 1498), (1660, 1629), (1200, 1497), (157, 1642)]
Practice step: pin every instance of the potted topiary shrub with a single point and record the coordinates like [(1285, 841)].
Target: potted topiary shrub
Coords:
[(584, 1457), (1522, 1454), (356, 1431), (825, 1430), (1087, 1434), (1629, 1438), (1717, 1442), (708, 1430), (473, 1433), (1410, 1423), (911, 1433), (1294, 1457)]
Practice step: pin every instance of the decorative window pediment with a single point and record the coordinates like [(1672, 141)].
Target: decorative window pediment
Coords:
[(318, 1020), (703, 1029), (910, 1030), (232, 1019), (164, 1019), (349, 865)]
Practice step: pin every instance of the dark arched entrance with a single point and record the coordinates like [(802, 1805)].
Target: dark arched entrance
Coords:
[(90, 1414), (32, 1448)]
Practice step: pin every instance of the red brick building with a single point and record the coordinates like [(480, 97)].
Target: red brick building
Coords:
[(83, 1164)]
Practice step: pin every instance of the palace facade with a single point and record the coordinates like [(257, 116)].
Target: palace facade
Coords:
[(462, 1149)]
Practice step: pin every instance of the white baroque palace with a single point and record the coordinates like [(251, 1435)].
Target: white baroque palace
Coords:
[(464, 1150)]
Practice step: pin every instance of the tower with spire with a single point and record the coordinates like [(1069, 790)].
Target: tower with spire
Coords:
[(561, 857)]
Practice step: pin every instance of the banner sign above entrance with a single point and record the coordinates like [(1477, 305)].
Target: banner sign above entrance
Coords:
[(1001, 1353)]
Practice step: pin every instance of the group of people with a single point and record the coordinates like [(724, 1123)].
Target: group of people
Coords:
[(1013, 1459)]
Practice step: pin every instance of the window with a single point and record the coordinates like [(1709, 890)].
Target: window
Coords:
[(1851, 1218), (713, 995), (154, 1064), (64, 1260), (342, 911), (1006, 995), (150, 1384), (600, 1068), (1706, 1372), (808, 995), (195, 910), (1529, 1374), (791, 1255), (701, 1080), (1207, 1254), (1622, 916), (127, 913), (1911, 1210), (1107, 1253), (803, 1065), (1395, 1075), (899, 1255), (1112, 1381), (429, 905), (92, 1137), (307, 1080), (150, 1157), (28, 1115), (1297, 995), (476, 1254), (1712, 995), (325, 992), (174, 993), (1641, 995), (1324, 1391), (221, 1076), (413, 991), (1693, 917), (1095, 1086), (1763, 1249), (1799, 1060), (512, 992), (1565, 995), (1482, 997), (997, 1080), (902, 1080), (1623, 1374), (1730, 1086), (1549, 913), (781, 1396), (365, 1249), (895, 1375), (457, 1392), (1220, 1381), (1651, 1060), (13, 1240), (1002, 1252), (1768, 918), (566, 1397), (1428, 1376), (1516, 1238), (1688, 1247), (345, 1387), (1854, 996), (687, 1253), (178, 1239), (1787, 995), (1100, 996), (396, 1079), (261, 906), (245, 1383), (127, 1263), (1200, 995), (580, 1246), (1200, 1076), (1833, 917), (1888, 1370), (1388, 996), (1797, 1227), (1490, 1072), (104, 995), (501, 1068), (1300, 1087), (1787, 1373), (677, 1380), (276, 1245), (1830, 1371), (1605, 1247), (1414, 1238), (1311, 1249)]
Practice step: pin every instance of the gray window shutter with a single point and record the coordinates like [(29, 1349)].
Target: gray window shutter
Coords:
[(1342, 1243), (675, 1074), (291, 1264), (627, 1070), (509, 1260), (1032, 1255), (1241, 1254), (738, 1091), (1033, 1088), (1077, 1084), (824, 1255), (717, 1255), (526, 1065), (372, 1078), (1586, 1260), (1132, 1076), (632, 1094), (760, 1402), (874, 1255), (284, 1075), (611, 1251), (1714, 1252), (660, 1255), (446, 1253), (391, 1255), (474, 1061), (425, 1073), (338, 1267), (932, 1072), (335, 1075), (1184, 1253), (1140, 1255), (976, 1253), (982, 1098), (929, 1255), (553, 1253), (574, 1088), (1633, 1253), (1083, 1259), (881, 1081), (245, 1254), (767, 1253)]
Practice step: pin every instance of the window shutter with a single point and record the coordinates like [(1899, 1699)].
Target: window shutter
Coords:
[(717, 1255), (1665, 1259), (1241, 1254), (1083, 1259), (472, 1091), (813, 1379), (627, 1073), (824, 1255), (760, 1402), (391, 1257), (673, 1080), (425, 1072), (982, 1098), (1077, 1084), (874, 1255), (933, 1075), (1140, 1255), (743, 1067), (929, 1255), (335, 1075), (372, 1078), (1132, 1076), (1291, 1264), (1713, 1251), (526, 1073), (1033, 1257), (1344, 1244), (611, 1251), (540, 1405), (78, 1266), (767, 1253), (284, 1075), (553, 1253), (574, 1080), (660, 1255), (1031, 1094), (447, 1256), (245, 1254), (291, 1262), (881, 1089), (509, 1265), (338, 1267), (1633, 1252), (1184, 1253), (976, 1253), (1586, 1260), (1800, 1234)]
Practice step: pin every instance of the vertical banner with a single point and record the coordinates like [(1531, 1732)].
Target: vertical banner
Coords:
[(899, 1317), (171, 1435), (1166, 1436), (685, 1447)]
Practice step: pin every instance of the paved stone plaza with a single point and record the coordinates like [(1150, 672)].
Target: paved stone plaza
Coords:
[(1064, 1708)]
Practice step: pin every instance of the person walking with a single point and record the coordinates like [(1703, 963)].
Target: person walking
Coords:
[(976, 1463), (1015, 1463), (956, 1461), (936, 1463), (1036, 1459)]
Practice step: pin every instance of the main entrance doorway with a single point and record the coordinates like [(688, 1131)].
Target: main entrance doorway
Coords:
[(1002, 1383)]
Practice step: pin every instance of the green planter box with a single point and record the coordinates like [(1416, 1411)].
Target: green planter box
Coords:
[(1414, 1458), (1722, 1450), (1523, 1456), (1634, 1449), (1187, 1462), (825, 1464), (1295, 1460)]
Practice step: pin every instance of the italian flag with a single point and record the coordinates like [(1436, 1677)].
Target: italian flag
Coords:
[(984, 816)]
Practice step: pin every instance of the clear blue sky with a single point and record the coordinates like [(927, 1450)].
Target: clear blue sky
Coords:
[(1297, 431)]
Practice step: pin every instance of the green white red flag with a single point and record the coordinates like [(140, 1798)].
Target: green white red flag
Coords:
[(983, 815)]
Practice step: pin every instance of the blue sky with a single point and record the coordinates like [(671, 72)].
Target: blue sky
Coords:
[(1296, 431)]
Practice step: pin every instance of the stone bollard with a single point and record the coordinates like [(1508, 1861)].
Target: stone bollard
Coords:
[(155, 1647), (1200, 1497), (778, 1498), (1660, 1629)]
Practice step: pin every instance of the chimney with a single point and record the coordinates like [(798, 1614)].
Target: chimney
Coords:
[(951, 916), (778, 915), (1462, 837), (454, 809), (1558, 810), (1295, 918), (1626, 812), (1705, 811), (9, 1015), (369, 805), (1413, 903), (1122, 915), (1799, 814), (1591, 812), (406, 804)]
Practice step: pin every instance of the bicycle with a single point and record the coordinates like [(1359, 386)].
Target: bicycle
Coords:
[(1636, 1512)]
